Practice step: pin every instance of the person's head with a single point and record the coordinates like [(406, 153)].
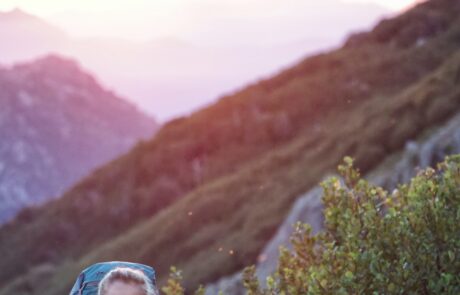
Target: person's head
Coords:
[(126, 281)]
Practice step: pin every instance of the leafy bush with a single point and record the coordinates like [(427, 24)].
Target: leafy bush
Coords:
[(375, 243), (406, 242)]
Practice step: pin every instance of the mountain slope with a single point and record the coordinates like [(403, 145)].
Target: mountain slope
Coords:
[(52, 120), (239, 213), (238, 165), (430, 149)]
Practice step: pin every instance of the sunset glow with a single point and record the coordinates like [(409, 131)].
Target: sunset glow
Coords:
[(395, 5), (134, 19), (211, 47)]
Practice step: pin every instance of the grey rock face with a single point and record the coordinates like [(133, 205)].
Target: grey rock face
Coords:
[(307, 209), (56, 125), (399, 168)]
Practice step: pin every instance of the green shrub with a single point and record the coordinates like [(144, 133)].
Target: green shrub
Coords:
[(376, 243)]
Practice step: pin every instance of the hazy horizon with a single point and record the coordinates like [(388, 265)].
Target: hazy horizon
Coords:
[(173, 16), (172, 57)]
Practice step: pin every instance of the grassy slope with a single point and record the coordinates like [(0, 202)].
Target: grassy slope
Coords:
[(259, 148)]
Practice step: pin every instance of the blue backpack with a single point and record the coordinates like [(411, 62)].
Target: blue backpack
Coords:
[(88, 281)]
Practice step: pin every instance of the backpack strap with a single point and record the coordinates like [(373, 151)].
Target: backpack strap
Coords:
[(82, 279)]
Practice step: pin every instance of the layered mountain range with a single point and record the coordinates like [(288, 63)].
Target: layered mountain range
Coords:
[(57, 124), (210, 190), (148, 72)]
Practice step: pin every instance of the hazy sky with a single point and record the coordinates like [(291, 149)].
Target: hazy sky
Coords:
[(128, 19), (221, 45)]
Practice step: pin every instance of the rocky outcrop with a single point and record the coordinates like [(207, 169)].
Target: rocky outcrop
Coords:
[(430, 149), (56, 125)]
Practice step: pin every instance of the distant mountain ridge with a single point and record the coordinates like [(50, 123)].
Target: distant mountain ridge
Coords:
[(26, 36), (56, 125), (205, 71), (17, 14)]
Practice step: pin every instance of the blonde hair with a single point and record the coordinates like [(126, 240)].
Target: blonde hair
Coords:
[(128, 276)]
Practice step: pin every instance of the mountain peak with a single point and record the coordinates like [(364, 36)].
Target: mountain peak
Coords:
[(53, 59), (54, 114), (57, 67), (17, 11), (16, 14)]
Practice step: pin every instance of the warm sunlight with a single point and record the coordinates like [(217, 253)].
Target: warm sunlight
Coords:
[(142, 19), (214, 47), (105, 17), (392, 4), (50, 6)]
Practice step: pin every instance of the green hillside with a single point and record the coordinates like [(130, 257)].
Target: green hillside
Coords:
[(226, 176)]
